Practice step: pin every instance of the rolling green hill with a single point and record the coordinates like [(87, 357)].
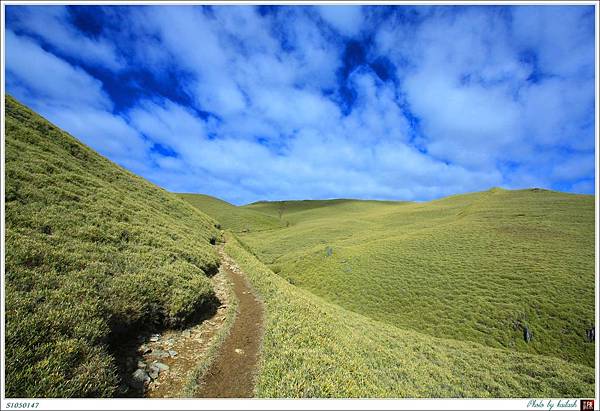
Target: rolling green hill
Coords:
[(314, 348), (478, 267), (236, 219), (92, 252)]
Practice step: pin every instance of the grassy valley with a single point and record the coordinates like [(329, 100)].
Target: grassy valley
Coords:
[(314, 348), (464, 276), (92, 252), (230, 217), (479, 267)]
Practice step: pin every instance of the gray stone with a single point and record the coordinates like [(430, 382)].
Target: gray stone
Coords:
[(144, 349), (329, 251), (161, 367), (155, 337), (139, 379), (591, 334), (172, 353), (159, 354), (527, 335), (153, 372)]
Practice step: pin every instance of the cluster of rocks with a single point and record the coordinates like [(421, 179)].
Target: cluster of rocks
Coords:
[(146, 373), (146, 366), (168, 352)]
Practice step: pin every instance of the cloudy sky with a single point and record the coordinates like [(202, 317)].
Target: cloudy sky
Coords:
[(270, 102)]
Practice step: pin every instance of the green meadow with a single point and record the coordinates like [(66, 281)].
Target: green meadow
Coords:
[(404, 292), (477, 267), (315, 348), (93, 252), (362, 298)]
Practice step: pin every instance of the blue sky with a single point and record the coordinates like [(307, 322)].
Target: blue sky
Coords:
[(269, 102)]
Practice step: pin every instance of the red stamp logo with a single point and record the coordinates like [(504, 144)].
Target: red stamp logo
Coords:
[(586, 405)]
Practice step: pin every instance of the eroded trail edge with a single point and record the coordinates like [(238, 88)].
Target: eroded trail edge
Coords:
[(233, 371)]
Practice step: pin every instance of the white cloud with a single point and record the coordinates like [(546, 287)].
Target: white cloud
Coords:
[(52, 24), (276, 129), (467, 83), (538, 28), (72, 99), (49, 77), (346, 19), (110, 135)]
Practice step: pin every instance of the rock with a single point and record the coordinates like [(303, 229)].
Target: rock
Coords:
[(186, 333), (239, 351), (144, 349), (527, 335), (139, 379), (159, 354), (153, 372), (161, 367), (172, 353), (591, 334), (155, 337), (329, 251)]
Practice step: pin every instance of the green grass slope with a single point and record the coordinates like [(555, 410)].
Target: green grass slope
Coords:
[(92, 251), (478, 267), (313, 348), (236, 219)]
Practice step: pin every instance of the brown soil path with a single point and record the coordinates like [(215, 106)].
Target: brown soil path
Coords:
[(232, 373)]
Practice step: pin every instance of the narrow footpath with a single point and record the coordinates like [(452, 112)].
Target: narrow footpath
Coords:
[(233, 371)]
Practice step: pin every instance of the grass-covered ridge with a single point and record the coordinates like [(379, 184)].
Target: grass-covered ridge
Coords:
[(236, 219), (477, 267), (91, 251), (313, 348)]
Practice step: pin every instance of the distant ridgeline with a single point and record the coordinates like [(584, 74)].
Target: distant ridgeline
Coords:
[(93, 253)]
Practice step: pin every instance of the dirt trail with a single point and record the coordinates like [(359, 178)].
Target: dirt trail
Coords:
[(165, 361), (232, 373), (191, 346)]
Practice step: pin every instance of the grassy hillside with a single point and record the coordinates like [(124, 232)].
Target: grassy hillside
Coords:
[(313, 348), (236, 219), (479, 267), (92, 252)]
